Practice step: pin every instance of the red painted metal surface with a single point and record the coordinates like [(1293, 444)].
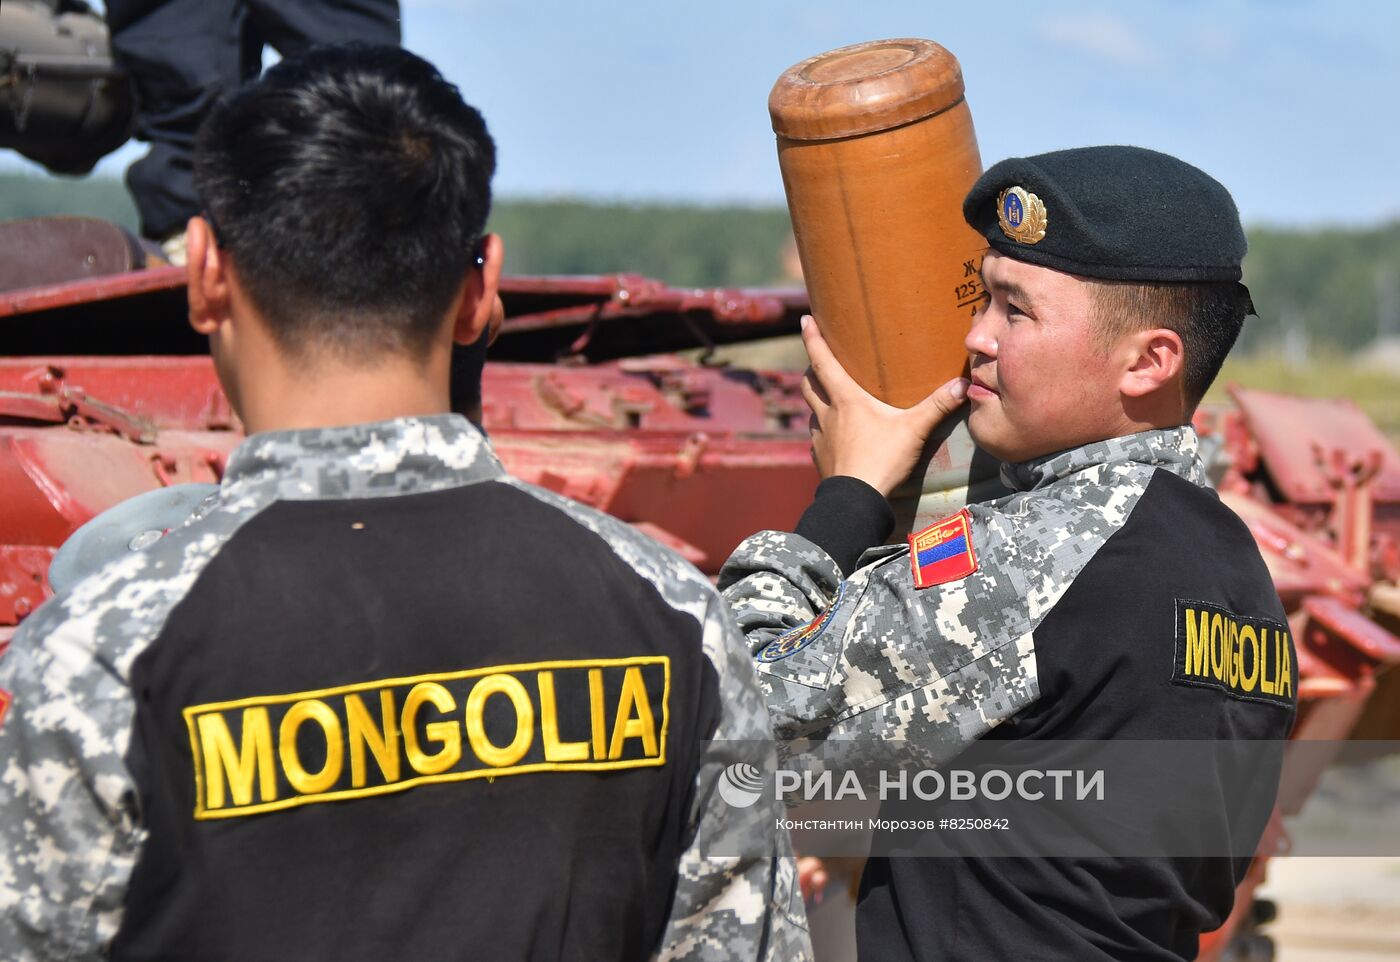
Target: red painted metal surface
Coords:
[(91, 291), (1319, 487), (1301, 563), (700, 457), (24, 581), (171, 392), (1301, 438), (613, 294)]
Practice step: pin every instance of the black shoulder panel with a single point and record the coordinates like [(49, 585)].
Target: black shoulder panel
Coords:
[(1126, 654), (1140, 647)]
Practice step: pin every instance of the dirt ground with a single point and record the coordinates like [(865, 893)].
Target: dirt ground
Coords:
[(1342, 909), (1335, 909)]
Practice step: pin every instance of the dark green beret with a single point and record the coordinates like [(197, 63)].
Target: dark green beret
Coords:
[(1121, 213)]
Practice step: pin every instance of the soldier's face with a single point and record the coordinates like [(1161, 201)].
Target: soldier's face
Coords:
[(1041, 382)]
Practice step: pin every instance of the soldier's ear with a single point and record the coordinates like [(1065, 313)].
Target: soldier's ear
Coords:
[(1154, 359), (206, 277), (481, 307)]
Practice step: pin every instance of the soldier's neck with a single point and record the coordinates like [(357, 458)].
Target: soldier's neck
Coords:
[(281, 397)]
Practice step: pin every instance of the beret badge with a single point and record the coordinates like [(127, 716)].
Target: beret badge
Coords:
[(1022, 215)]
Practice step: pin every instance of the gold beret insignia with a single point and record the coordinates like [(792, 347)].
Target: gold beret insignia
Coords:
[(1022, 215)]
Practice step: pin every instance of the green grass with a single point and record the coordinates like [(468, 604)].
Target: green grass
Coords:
[(24, 195)]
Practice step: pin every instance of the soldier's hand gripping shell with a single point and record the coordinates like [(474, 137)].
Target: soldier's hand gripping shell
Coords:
[(855, 434)]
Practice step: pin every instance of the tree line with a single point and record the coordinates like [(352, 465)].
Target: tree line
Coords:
[(1338, 287)]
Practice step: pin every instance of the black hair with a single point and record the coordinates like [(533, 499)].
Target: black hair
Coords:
[(1206, 316), (351, 186)]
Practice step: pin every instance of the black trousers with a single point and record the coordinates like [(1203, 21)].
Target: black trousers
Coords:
[(185, 55)]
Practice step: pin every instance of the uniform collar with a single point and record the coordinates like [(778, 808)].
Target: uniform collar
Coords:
[(1172, 449), (401, 456)]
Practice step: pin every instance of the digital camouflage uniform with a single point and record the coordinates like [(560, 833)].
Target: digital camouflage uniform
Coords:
[(1068, 626), (360, 584)]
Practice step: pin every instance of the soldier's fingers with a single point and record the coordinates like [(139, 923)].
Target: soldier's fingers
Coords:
[(941, 402), (813, 392), (828, 370), (811, 876)]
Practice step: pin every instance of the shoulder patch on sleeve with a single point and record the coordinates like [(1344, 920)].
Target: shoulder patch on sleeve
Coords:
[(943, 551), (5, 699), (1244, 656), (791, 642)]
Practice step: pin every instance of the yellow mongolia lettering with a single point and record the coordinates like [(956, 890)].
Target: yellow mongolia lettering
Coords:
[(1237, 654), (391, 735)]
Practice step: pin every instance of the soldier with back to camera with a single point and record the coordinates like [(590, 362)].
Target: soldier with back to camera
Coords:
[(377, 698)]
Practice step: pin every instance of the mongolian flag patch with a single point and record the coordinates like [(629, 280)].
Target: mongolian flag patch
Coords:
[(942, 552), (5, 699)]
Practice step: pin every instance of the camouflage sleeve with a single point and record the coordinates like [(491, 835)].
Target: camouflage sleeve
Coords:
[(70, 810), (888, 674), (747, 906), (776, 581), (870, 673), (68, 805)]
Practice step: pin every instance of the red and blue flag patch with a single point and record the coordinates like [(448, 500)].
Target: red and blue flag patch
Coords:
[(942, 552)]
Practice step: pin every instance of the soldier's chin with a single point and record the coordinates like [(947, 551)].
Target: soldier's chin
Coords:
[(989, 433)]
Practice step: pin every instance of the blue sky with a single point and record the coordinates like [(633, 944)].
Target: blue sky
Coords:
[(1289, 102)]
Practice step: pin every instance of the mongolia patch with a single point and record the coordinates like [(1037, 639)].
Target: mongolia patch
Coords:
[(943, 552), (791, 642), (5, 699), (1246, 657), (275, 752)]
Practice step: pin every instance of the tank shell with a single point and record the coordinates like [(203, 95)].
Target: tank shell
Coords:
[(877, 151)]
